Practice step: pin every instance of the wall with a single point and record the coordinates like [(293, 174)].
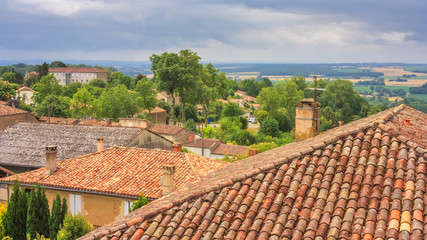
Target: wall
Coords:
[(27, 95), (182, 136), (135, 122), (98, 209), (198, 151), (8, 120), (147, 139), (158, 117)]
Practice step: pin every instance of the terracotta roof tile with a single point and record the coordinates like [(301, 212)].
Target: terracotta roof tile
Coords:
[(122, 171), (8, 110), (361, 181)]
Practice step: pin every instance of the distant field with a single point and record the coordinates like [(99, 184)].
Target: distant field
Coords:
[(349, 70), (418, 96), (395, 71), (410, 83)]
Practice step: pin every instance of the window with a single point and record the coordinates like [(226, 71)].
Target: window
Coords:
[(82, 74), (92, 74), (128, 206), (87, 74), (75, 204)]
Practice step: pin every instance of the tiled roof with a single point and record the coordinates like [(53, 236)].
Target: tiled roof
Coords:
[(3, 102), (23, 144), (155, 110), (363, 180), (165, 129), (73, 121), (8, 110), (26, 89), (231, 150), (122, 171), (79, 70), (207, 143)]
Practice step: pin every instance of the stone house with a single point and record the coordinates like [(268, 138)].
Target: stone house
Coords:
[(10, 115)]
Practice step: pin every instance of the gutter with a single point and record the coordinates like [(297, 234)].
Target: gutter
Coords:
[(80, 191)]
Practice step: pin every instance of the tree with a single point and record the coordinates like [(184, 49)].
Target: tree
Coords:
[(16, 214), (266, 81), (82, 103), (177, 74), (74, 227), (54, 106), (97, 82), (48, 85), (12, 77), (231, 110), (142, 201), (38, 213), (270, 126), (56, 219), (146, 94), (114, 78), (3, 209), (6, 90), (64, 209), (115, 103), (42, 70), (32, 214), (57, 64)]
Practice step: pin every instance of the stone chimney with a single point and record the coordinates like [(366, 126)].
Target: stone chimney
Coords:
[(176, 147), (168, 181), (51, 158), (100, 144), (307, 121)]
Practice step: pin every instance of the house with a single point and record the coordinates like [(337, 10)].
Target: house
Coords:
[(165, 97), (25, 94), (157, 115), (176, 134), (10, 115), (245, 96), (102, 185), (67, 75), (74, 121), (362, 180), (22, 144), (214, 148)]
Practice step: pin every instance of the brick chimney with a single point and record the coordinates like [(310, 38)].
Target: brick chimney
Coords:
[(51, 158), (176, 147), (168, 181), (100, 144), (307, 121), (252, 152), (191, 137)]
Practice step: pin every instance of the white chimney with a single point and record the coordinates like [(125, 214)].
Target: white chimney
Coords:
[(51, 158), (100, 144), (168, 181)]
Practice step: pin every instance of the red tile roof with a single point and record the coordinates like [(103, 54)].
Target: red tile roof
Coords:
[(363, 180), (165, 129), (79, 70), (73, 121), (8, 110), (26, 89), (231, 150), (122, 171), (3, 102), (155, 110)]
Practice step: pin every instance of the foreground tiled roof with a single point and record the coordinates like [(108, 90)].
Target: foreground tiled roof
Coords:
[(122, 171), (23, 144), (165, 129), (8, 110), (79, 70), (363, 180)]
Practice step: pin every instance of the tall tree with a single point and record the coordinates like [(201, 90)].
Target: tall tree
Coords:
[(146, 94), (48, 85), (38, 213), (16, 214), (32, 216), (56, 219), (82, 103), (57, 64), (42, 70), (13, 77)]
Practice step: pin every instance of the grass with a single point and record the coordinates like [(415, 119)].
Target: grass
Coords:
[(418, 96)]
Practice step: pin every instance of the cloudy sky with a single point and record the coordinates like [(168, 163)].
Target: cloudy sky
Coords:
[(219, 31)]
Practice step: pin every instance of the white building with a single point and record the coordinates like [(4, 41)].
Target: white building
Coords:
[(66, 76)]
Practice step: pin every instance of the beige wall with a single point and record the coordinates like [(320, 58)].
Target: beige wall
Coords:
[(81, 77), (150, 140), (135, 122), (307, 121), (98, 209), (8, 120), (158, 117), (27, 95)]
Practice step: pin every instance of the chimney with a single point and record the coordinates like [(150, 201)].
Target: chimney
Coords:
[(252, 152), (407, 122), (168, 181), (171, 122), (100, 144), (51, 157), (176, 147), (307, 121), (191, 137)]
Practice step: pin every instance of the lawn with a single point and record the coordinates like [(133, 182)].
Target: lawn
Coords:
[(418, 96)]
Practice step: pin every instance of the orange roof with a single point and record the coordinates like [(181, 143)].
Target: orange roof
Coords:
[(73, 121), (155, 110), (231, 150), (8, 110), (121, 171), (3, 102), (26, 89), (79, 70)]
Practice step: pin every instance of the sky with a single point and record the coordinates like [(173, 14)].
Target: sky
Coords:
[(270, 31)]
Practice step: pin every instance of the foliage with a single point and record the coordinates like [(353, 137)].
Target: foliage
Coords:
[(42, 70), (57, 64), (146, 94), (114, 78), (270, 126), (54, 106), (231, 110), (82, 103), (48, 85), (191, 125), (97, 82), (3, 209), (38, 213), (56, 219), (115, 103), (6, 90), (12, 77), (251, 87), (16, 214), (71, 89), (142, 201), (210, 132), (74, 227), (264, 146)]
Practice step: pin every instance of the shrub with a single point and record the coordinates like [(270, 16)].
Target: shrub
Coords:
[(142, 201), (74, 227)]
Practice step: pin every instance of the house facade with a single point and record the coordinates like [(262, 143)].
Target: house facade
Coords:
[(25, 94), (66, 76), (163, 96), (10, 115), (102, 186), (215, 149)]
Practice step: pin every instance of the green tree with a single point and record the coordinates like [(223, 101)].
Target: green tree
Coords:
[(97, 82), (142, 201), (115, 103), (42, 70), (12, 77), (57, 64), (48, 85), (33, 206), (16, 214), (114, 78), (6, 90), (191, 125), (267, 83), (56, 219), (270, 126), (146, 94), (64, 209), (231, 110), (71, 89), (38, 213), (3, 210), (82, 103), (74, 227), (54, 106)]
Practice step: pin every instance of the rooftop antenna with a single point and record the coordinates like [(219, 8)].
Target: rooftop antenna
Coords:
[(315, 89)]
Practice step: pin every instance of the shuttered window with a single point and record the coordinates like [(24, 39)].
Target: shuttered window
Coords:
[(75, 204)]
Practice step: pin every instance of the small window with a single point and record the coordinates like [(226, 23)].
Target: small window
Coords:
[(92, 74), (75, 204), (127, 205), (82, 74)]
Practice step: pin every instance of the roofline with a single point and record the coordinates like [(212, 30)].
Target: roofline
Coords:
[(76, 190)]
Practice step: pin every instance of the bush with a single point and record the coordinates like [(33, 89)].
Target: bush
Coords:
[(74, 227), (142, 201), (3, 209)]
